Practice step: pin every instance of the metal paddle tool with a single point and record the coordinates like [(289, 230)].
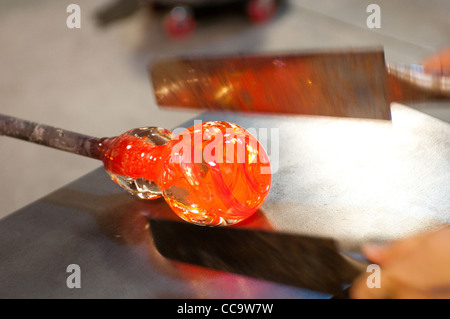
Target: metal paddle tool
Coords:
[(308, 262), (352, 83)]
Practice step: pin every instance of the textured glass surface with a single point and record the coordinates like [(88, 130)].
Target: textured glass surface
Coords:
[(213, 173), (131, 159), (139, 187)]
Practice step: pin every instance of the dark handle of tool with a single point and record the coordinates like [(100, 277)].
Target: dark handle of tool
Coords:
[(50, 136)]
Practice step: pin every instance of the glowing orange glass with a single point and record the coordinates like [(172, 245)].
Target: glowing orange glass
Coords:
[(213, 173)]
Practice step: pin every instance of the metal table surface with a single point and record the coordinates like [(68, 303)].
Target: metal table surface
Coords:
[(352, 180)]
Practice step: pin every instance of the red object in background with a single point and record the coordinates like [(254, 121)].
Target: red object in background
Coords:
[(179, 23), (183, 15), (260, 11)]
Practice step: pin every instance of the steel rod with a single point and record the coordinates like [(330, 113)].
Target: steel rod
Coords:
[(50, 136)]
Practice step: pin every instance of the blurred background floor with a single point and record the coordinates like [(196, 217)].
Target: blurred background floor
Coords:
[(94, 81)]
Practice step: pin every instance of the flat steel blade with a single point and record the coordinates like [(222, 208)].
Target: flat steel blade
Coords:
[(343, 84), (292, 259)]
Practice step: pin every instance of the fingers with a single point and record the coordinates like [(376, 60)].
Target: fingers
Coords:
[(387, 253), (360, 290), (415, 267), (376, 253), (390, 288), (438, 63)]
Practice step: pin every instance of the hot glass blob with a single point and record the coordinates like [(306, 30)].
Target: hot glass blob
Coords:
[(213, 173)]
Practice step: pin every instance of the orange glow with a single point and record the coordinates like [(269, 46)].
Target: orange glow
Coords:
[(226, 185), (214, 173)]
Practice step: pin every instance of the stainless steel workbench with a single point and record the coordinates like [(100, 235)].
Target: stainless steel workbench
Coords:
[(352, 180), (94, 81)]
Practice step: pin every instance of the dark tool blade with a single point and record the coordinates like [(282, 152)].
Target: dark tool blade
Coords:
[(302, 261), (344, 84)]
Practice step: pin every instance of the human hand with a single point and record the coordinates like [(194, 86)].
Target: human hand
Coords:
[(413, 268), (438, 63)]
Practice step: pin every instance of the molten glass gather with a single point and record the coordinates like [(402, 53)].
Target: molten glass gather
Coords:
[(213, 173)]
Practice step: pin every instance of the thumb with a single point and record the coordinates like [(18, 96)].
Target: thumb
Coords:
[(376, 253)]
